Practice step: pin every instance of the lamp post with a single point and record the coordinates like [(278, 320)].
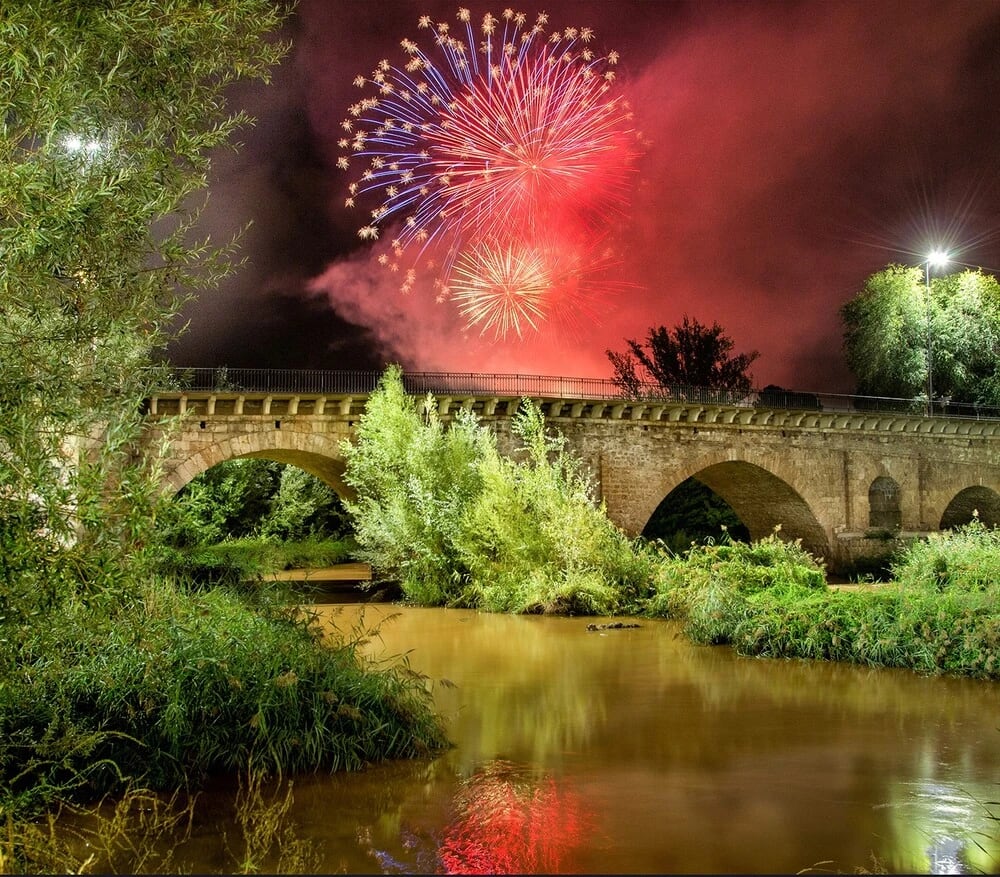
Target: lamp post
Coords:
[(937, 258)]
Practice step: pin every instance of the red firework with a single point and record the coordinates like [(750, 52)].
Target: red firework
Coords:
[(510, 135)]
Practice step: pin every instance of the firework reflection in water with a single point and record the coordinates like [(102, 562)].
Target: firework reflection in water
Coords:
[(506, 819), (512, 135)]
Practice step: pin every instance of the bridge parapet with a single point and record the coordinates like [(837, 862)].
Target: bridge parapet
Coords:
[(350, 406)]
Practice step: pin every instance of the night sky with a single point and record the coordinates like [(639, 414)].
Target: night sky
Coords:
[(794, 149)]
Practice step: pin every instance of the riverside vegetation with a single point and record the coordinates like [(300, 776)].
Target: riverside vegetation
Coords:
[(440, 511), (166, 683), (116, 673)]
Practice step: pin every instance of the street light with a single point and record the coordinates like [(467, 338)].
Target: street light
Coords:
[(937, 258)]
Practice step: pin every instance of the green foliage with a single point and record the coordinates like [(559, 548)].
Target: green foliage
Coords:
[(690, 354), (769, 599), (303, 508), (108, 673), (710, 586), (227, 501), (247, 518), (414, 480), (693, 512), (966, 559), (179, 685), (250, 497), (440, 510), (237, 562), (534, 540), (109, 112), (886, 328)]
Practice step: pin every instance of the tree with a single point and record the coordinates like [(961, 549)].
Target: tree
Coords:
[(888, 324), (110, 115), (689, 355), (414, 481), (439, 509)]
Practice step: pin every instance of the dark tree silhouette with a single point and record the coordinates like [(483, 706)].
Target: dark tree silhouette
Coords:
[(690, 354)]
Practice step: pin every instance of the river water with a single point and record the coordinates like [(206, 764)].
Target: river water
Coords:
[(634, 751)]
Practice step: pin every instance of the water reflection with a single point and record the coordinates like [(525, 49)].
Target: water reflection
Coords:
[(944, 828), (697, 760), (632, 751), (505, 819)]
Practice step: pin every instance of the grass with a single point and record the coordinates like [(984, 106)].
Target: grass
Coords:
[(940, 614), (181, 684), (144, 832), (237, 561)]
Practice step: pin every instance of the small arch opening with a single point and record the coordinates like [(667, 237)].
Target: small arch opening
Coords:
[(884, 504)]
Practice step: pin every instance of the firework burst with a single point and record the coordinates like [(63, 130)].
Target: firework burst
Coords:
[(516, 286), (502, 289), (504, 135)]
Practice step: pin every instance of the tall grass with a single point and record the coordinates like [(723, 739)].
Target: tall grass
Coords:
[(144, 832), (178, 685), (941, 614), (235, 561)]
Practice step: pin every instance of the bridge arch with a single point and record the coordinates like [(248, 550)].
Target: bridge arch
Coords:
[(983, 501), (317, 454), (762, 500)]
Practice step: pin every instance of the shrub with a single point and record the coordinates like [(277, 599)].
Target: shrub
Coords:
[(414, 480), (768, 599), (442, 512), (535, 540), (710, 587), (965, 559)]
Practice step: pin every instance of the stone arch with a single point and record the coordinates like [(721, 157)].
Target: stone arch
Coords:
[(319, 455), (884, 511), (982, 500), (763, 501)]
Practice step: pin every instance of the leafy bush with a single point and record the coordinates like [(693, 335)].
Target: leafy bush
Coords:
[(250, 497), (768, 599), (535, 540), (441, 511), (964, 559), (414, 480), (710, 586)]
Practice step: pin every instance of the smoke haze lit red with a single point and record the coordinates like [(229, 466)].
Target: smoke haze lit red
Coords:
[(793, 149)]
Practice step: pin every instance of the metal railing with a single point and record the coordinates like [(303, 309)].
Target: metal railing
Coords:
[(512, 386)]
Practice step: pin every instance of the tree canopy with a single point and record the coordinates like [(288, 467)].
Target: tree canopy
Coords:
[(690, 354), (890, 323), (110, 113)]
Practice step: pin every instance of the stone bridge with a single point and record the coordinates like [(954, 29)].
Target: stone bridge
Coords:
[(834, 472)]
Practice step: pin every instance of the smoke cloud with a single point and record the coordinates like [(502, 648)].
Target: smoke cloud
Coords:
[(795, 148)]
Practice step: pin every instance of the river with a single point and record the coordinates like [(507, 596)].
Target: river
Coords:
[(633, 751)]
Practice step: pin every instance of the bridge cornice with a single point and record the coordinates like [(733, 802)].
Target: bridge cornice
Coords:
[(350, 406)]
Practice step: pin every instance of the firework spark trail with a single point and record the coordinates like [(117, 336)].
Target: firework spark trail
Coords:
[(504, 140)]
